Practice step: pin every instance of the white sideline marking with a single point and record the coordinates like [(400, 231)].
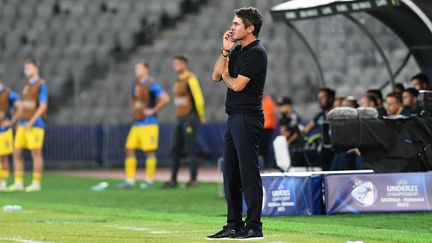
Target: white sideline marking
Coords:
[(19, 239), (160, 232), (116, 226), (150, 231)]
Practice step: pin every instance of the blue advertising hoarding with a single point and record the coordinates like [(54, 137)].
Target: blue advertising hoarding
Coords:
[(395, 192), (292, 195)]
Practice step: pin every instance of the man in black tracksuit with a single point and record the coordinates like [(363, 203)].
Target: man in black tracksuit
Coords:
[(190, 111), (243, 69)]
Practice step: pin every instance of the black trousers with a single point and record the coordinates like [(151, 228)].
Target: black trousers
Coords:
[(241, 170), (184, 137)]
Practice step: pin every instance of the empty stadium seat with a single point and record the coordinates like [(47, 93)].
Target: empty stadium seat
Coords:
[(81, 40)]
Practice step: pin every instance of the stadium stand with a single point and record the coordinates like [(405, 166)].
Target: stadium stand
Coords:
[(76, 41), (96, 42)]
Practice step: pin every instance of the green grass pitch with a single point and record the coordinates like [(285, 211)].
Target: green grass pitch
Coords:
[(68, 211)]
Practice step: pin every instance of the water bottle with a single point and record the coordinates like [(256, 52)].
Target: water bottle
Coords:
[(12, 208), (100, 187)]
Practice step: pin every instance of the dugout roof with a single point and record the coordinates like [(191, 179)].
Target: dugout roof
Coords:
[(408, 19)]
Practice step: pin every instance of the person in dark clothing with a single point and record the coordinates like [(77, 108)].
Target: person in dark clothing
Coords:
[(420, 82), (243, 69), (326, 98), (289, 123), (380, 101), (190, 112), (410, 102)]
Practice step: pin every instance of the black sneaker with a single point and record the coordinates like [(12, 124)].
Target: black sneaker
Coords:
[(169, 184), (226, 233), (249, 233)]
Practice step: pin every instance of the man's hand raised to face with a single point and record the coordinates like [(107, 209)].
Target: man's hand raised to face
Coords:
[(228, 42)]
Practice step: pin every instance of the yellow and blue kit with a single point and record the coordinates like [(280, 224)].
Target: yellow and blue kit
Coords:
[(144, 133), (32, 138), (6, 134)]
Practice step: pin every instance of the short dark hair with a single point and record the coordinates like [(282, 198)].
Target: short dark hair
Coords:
[(411, 91), (182, 58), (143, 62), (395, 95), (32, 61), (373, 99), (284, 101), (421, 77), (330, 92), (250, 16), (377, 93), (399, 86)]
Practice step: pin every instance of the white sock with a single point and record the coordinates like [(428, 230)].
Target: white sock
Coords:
[(148, 181)]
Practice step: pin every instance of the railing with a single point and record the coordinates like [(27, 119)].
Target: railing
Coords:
[(103, 145)]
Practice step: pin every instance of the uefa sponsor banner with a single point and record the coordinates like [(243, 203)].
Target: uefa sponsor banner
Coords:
[(395, 192), (291, 195)]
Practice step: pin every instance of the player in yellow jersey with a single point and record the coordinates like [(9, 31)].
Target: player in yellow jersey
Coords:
[(9, 100), (31, 129), (148, 98)]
